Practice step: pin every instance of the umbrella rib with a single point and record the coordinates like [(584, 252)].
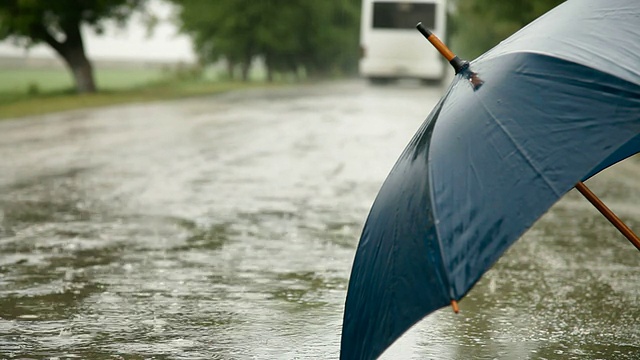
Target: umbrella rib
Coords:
[(434, 212), (440, 247), (519, 148)]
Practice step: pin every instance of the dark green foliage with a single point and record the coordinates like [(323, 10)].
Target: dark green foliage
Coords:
[(291, 36), (57, 23), (478, 25), (33, 19)]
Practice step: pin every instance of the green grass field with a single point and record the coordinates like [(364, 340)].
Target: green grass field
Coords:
[(23, 81), (25, 92)]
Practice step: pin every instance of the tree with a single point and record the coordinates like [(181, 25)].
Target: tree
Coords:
[(291, 36), (330, 36), (479, 25), (58, 23)]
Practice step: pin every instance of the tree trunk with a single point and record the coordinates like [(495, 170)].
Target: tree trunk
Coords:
[(81, 69), (245, 71), (269, 67), (72, 52), (269, 74), (230, 70)]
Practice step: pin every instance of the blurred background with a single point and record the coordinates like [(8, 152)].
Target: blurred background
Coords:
[(53, 49), (189, 180)]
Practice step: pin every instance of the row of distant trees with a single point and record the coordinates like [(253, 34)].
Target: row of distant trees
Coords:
[(478, 25), (300, 37), (314, 38)]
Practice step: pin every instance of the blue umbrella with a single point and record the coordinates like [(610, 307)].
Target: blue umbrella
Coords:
[(557, 102)]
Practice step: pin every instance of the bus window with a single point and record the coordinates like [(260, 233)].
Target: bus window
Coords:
[(403, 15), (391, 46)]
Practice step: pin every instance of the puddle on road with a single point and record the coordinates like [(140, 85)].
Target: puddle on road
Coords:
[(189, 246)]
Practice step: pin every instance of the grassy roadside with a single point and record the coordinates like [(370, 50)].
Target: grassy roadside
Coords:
[(35, 91), (14, 105)]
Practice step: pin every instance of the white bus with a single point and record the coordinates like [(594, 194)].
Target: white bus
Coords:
[(390, 45)]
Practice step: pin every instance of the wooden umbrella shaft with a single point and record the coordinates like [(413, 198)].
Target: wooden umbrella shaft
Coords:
[(622, 227), (457, 63)]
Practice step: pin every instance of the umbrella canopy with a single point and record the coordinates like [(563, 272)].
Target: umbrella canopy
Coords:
[(560, 102)]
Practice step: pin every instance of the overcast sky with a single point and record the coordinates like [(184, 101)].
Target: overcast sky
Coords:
[(130, 42)]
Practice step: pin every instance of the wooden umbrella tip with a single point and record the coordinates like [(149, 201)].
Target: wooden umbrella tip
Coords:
[(454, 306)]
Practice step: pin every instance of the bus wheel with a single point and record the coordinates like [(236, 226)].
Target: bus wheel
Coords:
[(376, 80), (432, 82)]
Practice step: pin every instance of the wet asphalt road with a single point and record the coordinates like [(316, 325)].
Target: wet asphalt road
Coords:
[(224, 228)]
